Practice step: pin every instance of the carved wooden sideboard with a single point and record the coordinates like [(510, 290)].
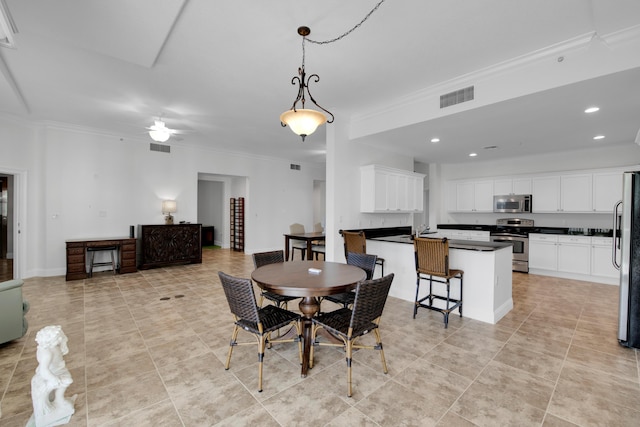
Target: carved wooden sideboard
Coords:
[(162, 245)]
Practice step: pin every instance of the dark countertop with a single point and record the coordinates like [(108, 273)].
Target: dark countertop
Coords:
[(453, 244), (540, 230)]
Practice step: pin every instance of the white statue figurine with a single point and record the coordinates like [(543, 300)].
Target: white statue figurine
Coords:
[(48, 385)]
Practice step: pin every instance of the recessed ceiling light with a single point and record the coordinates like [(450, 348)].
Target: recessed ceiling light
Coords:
[(598, 137), (473, 154), (435, 139), (592, 109)]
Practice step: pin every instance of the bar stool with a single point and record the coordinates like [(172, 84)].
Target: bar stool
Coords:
[(91, 250), (432, 260)]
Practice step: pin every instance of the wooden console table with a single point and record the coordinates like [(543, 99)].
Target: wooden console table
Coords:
[(77, 255), (163, 245)]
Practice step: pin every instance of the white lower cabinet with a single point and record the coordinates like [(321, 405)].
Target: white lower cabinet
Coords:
[(543, 251), (477, 235), (601, 254), (582, 257), (574, 254)]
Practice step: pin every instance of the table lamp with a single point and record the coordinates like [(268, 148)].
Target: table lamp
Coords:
[(169, 207)]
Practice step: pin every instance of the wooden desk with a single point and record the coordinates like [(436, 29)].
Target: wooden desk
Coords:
[(307, 237), (77, 255), (293, 279)]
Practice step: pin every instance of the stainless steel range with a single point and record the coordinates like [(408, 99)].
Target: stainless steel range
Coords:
[(516, 232)]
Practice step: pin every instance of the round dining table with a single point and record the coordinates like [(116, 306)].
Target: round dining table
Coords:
[(309, 280)]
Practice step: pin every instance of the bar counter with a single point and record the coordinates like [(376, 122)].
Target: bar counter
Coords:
[(487, 273)]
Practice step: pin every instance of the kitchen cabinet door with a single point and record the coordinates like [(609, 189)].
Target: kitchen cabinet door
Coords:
[(576, 193), (574, 254), (607, 190), (543, 251), (521, 185), (483, 196), (465, 196), (546, 193), (601, 264), (503, 187)]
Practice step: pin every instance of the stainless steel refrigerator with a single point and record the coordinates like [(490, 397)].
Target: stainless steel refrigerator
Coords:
[(627, 240)]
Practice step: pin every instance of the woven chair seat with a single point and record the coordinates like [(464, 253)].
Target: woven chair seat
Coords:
[(337, 322), (272, 318), (277, 298), (345, 298), (452, 273)]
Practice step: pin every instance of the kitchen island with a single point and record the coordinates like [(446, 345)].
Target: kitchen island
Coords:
[(487, 273)]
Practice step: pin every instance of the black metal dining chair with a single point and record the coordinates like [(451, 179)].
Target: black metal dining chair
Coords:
[(260, 322), (351, 324)]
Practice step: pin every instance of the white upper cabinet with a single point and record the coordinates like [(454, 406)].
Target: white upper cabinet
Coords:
[(607, 190), (521, 185), (563, 193), (504, 186), (576, 193), (546, 194), (384, 189), (474, 196)]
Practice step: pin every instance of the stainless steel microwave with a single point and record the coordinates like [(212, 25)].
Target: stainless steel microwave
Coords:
[(512, 203)]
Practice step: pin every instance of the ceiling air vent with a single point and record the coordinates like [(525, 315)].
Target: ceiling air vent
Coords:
[(295, 167), (160, 148), (453, 98)]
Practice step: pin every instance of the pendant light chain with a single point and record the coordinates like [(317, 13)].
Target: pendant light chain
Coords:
[(343, 35)]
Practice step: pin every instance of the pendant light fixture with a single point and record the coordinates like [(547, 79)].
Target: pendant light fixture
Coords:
[(304, 121)]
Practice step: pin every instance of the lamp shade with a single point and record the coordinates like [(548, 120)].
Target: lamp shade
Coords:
[(169, 206), (303, 122)]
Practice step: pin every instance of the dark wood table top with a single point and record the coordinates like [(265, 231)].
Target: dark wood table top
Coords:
[(294, 279), (316, 235)]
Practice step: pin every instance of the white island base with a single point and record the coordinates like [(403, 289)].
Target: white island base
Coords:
[(487, 275)]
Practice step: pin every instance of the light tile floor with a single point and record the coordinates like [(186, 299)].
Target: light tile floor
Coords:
[(137, 360)]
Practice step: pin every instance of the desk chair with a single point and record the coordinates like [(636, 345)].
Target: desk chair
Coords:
[(432, 260), (91, 251), (356, 242)]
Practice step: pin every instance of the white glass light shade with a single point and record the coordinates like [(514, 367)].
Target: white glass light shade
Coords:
[(159, 135), (303, 122), (169, 206), (159, 132)]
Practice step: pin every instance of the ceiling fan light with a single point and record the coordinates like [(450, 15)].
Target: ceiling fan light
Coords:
[(303, 122), (160, 135)]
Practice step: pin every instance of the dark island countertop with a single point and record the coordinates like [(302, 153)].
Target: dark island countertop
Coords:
[(469, 245)]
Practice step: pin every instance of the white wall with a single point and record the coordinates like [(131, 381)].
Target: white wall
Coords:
[(82, 185)]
